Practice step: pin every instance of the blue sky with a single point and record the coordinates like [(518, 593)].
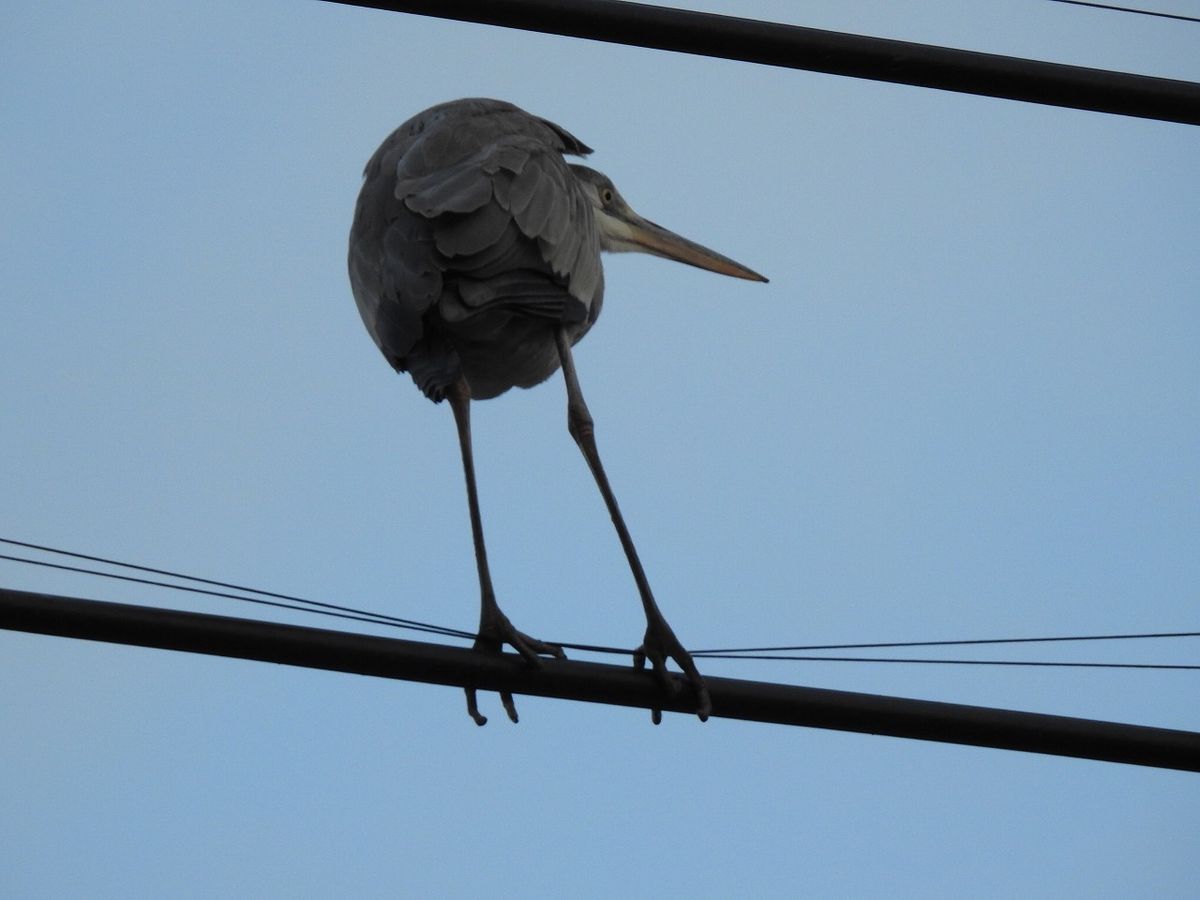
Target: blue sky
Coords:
[(967, 405)]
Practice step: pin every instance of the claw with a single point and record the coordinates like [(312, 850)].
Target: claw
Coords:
[(473, 708), (639, 662), (509, 706)]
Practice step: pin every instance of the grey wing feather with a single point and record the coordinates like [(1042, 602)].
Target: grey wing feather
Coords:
[(464, 191), (473, 234), (554, 231), (512, 180), (547, 192), (520, 188)]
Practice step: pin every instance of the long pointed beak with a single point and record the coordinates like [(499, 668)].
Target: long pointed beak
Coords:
[(651, 238)]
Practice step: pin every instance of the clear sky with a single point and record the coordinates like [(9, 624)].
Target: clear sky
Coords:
[(966, 406)]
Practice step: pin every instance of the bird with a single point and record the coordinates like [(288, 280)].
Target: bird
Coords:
[(474, 260)]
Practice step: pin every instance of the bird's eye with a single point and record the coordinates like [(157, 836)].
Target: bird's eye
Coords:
[(606, 196)]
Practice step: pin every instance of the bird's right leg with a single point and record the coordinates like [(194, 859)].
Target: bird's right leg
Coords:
[(495, 630), (660, 642)]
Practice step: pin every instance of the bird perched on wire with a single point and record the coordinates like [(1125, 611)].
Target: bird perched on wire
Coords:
[(475, 264)]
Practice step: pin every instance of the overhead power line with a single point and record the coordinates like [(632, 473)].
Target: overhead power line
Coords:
[(835, 53), (1130, 9), (620, 685), (768, 653), (328, 610), (877, 645), (308, 606), (909, 660)]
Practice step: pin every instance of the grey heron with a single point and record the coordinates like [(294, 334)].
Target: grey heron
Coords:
[(475, 264)]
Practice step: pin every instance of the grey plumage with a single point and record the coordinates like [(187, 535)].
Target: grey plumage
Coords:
[(472, 240), (475, 264)]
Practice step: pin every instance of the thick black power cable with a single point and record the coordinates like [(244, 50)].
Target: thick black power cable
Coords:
[(73, 617), (1129, 9), (797, 47)]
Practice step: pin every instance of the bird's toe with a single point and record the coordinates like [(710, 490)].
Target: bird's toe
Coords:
[(495, 630), (660, 644)]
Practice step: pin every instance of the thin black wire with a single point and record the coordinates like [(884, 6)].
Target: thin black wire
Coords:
[(327, 609), (891, 644), (1129, 9), (366, 617), (311, 606), (758, 653), (363, 615), (956, 662)]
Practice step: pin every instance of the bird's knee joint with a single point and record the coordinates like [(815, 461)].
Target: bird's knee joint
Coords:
[(579, 420), (582, 433), (581, 426)]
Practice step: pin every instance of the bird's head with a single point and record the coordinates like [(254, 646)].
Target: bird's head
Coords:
[(623, 230)]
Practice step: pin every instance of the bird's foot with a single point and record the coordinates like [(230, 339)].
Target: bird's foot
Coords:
[(659, 645), (495, 630)]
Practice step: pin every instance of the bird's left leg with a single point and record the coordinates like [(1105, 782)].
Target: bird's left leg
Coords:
[(495, 630), (660, 642)]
